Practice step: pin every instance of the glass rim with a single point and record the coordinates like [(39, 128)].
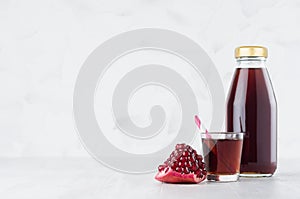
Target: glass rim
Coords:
[(223, 135)]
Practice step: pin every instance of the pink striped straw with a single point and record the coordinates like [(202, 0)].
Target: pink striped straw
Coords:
[(201, 126)]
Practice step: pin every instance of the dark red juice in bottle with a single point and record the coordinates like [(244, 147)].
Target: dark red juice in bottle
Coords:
[(252, 108)]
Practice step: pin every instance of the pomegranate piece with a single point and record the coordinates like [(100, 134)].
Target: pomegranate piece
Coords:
[(183, 166)]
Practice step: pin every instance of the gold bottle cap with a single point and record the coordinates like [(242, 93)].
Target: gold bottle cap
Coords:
[(251, 51)]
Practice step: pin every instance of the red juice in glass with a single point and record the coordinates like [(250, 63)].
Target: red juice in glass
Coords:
[(222, 155), (252, 108)]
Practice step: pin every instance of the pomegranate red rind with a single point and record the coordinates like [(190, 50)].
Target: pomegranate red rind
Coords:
[(175, 177)]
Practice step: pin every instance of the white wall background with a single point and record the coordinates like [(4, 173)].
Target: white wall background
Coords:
[(44, 43)]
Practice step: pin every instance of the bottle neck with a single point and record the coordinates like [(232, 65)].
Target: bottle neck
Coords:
[(251, 62)]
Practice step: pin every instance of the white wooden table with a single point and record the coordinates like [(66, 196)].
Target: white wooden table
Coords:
[(72, 178)]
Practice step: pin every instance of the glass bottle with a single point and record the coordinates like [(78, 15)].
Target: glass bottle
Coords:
[(252, 108)]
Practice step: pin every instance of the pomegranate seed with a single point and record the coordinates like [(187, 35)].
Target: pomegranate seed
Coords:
[(161, 167), (186, 170), (194, 152), (200, 175), (202, 166)]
